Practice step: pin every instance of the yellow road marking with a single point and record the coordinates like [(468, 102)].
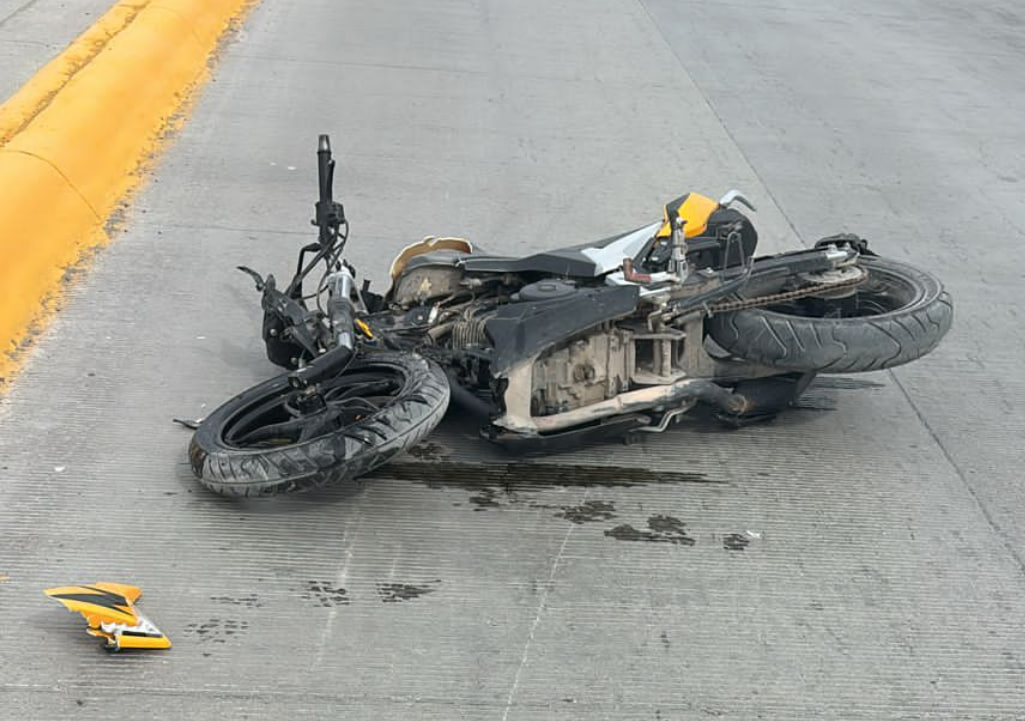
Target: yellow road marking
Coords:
[(75, 138)]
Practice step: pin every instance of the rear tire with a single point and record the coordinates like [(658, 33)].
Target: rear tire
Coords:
[(901, 314), (414, 405)]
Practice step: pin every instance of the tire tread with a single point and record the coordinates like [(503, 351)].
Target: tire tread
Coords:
[(335, 458), (842, 345)]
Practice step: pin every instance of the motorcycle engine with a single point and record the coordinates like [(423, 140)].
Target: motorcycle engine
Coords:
[(584, 371), (572, 374)]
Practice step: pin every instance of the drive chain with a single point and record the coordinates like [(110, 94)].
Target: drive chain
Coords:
[(730, 306)]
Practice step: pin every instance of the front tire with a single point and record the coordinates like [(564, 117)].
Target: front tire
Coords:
[(255, 445), (898, 314)]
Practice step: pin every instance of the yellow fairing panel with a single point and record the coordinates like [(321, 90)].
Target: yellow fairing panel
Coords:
[(96, 603), (131, 593), (693, 209), (111, 615), (121, 638), (126, 640)]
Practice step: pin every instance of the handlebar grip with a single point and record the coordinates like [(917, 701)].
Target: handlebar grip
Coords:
[(324, 164)]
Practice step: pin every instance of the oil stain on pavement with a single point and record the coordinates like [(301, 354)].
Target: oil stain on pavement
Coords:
[(662, 529), (588, 512), (249, 601), (324, 594), (398, 592), (735, 542), (428, 451), (216, 630), (519, 476), (494, 484)]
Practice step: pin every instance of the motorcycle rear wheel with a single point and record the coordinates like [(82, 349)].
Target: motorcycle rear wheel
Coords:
[(257, 444), (898, 314)]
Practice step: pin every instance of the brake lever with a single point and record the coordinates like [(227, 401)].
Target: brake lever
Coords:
[(734, 196), (260, 283), (290, 312)]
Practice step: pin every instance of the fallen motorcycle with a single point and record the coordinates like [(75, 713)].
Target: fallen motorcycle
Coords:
[(555, 349)]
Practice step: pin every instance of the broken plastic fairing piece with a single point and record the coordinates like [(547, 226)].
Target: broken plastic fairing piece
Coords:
[(109, 610)]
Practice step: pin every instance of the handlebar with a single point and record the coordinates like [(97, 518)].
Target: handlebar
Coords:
[(329, 213), (325, 168), (329, 217)]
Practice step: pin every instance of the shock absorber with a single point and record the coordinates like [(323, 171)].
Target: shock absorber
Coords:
[(341, 313), (678, 250), (339, 307)]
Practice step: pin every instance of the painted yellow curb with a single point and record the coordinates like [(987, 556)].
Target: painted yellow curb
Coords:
[(73, 139), (33, 96)]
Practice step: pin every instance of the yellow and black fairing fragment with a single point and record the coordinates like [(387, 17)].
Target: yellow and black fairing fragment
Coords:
[(109, 610)]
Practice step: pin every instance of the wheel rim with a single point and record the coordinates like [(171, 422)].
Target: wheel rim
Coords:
[(284, 418), (882, 292)]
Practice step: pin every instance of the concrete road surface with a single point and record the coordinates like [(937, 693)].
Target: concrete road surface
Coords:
[(860, 558)]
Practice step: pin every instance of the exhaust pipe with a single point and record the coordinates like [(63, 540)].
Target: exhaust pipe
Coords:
[(641, 400)]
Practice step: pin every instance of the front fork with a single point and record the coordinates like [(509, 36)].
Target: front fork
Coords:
[(340, 310), (341, 342)]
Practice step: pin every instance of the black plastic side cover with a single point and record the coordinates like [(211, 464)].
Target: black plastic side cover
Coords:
[(521, 330)]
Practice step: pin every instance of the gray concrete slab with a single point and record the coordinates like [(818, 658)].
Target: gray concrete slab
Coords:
[(920, 145), (33, 32), (858, 559)]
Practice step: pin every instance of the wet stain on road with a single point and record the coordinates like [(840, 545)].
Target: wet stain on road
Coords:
[(398, 592), (487, 498), (250, 601), (216, 630), (493, 484), (512, 477), (324, 594), (588, 512), (662, 529), (735, 542), (428, 451)]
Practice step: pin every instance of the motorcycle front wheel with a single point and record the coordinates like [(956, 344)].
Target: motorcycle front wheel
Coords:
[(266, 441), (899, 313)]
